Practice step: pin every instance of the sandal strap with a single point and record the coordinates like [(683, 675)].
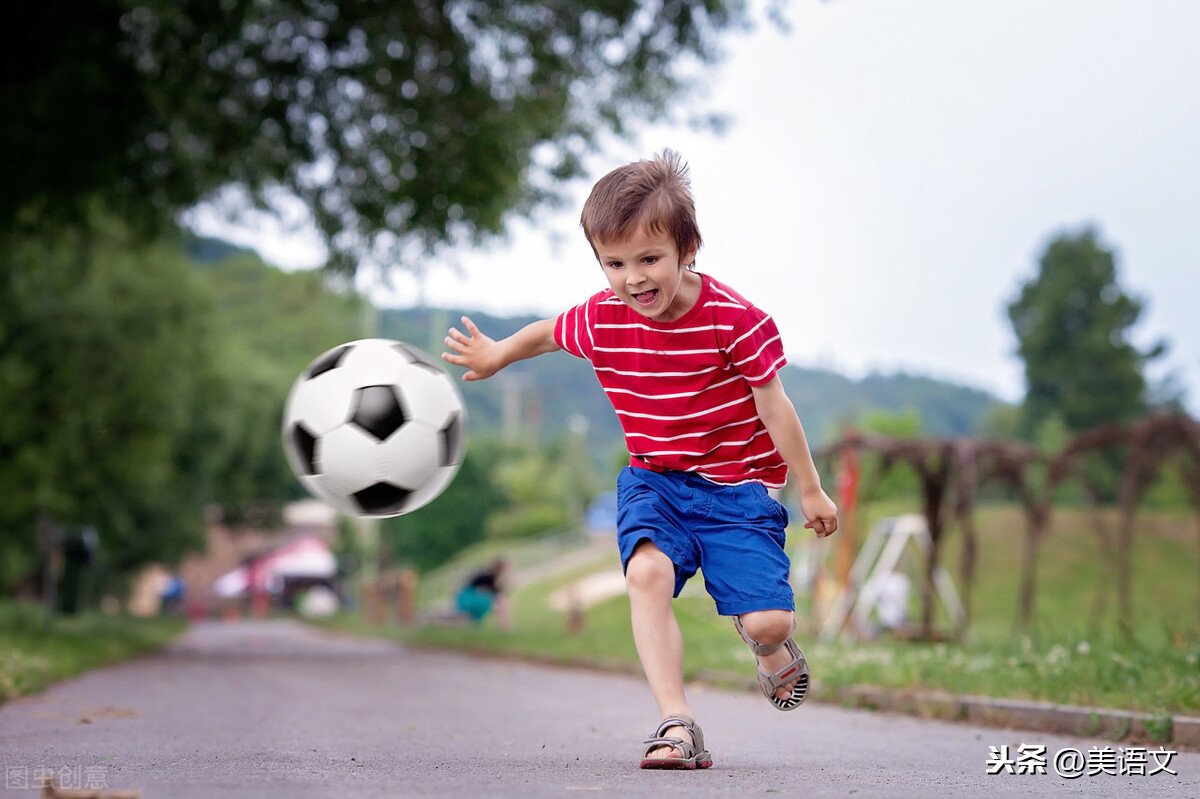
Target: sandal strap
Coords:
[(787, 673), (688, 748), (796, 671)]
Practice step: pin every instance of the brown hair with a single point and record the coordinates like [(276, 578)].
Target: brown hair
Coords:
[(654, 193)]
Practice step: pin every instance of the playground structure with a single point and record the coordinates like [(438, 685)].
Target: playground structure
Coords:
[(878, 584), (951, 473)]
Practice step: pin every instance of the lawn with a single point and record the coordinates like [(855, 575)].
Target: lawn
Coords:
[(1070, 655), (34, 653)]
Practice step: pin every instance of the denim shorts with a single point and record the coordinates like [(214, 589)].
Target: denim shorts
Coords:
[(734, 534)]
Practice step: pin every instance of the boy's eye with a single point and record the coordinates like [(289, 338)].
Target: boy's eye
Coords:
[(615, 264), (650, 259)]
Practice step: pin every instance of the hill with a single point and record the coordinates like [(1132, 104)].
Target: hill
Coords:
[(542, 395)]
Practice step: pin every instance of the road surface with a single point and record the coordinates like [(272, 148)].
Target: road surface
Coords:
[(269, 709)]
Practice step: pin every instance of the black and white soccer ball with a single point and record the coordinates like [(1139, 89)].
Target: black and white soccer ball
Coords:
[(374, 428)]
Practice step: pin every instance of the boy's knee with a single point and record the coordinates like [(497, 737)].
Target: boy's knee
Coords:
[(649, 569), (768, 626)]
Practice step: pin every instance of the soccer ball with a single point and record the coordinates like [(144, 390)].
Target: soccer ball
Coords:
[(374, 428)]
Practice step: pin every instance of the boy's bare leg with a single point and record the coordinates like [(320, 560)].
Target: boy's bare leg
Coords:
[(650, 580), (771, 627)]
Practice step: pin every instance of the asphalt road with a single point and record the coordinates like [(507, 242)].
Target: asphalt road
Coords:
[(275, 709)]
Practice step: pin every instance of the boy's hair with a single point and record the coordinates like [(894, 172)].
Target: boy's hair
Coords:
[(654, 193)]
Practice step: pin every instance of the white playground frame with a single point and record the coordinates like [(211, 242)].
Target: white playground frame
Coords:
[(878, 558)]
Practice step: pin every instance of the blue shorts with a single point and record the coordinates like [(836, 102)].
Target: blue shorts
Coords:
[(735, 534)]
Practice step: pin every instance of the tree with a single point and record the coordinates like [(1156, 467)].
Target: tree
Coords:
[(111, 379), (273, 324), (1073, 323), (140, 390), (402, 126)]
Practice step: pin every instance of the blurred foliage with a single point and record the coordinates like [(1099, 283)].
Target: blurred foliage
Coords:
[(111, 374), (1001, 421), (1073, 323), (400, 126), (274, 324), (900, 480), (1169, 491), (138, 390)]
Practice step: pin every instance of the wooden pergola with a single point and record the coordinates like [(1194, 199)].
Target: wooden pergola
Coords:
[(953, 470)]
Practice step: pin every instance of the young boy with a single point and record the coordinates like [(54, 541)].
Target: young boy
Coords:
[(691, 369)]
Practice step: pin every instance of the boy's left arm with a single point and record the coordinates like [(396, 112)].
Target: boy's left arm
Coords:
[(783, 425)]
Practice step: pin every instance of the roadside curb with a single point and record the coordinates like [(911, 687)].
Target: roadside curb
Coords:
[(1114, 725)]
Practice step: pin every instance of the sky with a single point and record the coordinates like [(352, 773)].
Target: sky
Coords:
[(891, 175)]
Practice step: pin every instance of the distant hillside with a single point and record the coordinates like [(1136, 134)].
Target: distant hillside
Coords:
[(554, 388), (206, 250), (543, 395)]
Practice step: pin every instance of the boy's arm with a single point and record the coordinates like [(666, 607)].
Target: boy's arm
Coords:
[(483, 357), (783, 425)]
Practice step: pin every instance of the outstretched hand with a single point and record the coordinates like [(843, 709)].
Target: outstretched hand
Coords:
[(820, 512), (474, 350)]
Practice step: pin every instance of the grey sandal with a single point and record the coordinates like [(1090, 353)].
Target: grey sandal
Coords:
[(770, 683), (694, 754)]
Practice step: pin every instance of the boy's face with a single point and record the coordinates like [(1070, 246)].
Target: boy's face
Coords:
[(648, 274)]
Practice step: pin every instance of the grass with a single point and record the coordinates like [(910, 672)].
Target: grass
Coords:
[(34, 654), (1070, 655)]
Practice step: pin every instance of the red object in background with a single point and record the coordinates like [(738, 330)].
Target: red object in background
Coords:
[(847, 490), (847, 481)]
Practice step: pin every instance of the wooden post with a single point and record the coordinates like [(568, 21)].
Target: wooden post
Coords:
[(406, 596)]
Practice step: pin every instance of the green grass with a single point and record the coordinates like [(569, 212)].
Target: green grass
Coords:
[(1067, 656), (34, 654)]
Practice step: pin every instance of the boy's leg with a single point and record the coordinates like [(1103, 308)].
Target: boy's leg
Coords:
[(769, 627), (650, 581)]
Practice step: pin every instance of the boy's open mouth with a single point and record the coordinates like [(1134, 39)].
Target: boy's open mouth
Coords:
[(646, 297)]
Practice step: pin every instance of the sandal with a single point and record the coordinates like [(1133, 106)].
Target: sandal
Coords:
[(770, 683), (694, 754)]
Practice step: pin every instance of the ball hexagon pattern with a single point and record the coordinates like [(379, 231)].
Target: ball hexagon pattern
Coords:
[(374, 428)]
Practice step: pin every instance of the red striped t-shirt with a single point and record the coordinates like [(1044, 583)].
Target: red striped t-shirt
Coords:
[(681, 389)]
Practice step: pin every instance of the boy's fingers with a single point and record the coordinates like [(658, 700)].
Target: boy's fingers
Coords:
[(822, 527), (471, 328)]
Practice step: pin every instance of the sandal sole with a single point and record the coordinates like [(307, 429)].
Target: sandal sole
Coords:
[(674, 764)]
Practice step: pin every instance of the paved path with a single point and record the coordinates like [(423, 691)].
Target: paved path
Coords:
[(274, 709)]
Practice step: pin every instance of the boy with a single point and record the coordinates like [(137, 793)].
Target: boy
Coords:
[(691, 370)]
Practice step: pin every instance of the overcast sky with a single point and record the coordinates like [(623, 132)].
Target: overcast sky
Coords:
[(895, 169)]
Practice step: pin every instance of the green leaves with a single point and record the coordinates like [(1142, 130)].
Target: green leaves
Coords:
[(139, 390), (402, 126), (1073, 324), (101, 380)]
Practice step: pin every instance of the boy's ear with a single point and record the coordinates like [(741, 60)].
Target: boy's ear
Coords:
[(689, 257)]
